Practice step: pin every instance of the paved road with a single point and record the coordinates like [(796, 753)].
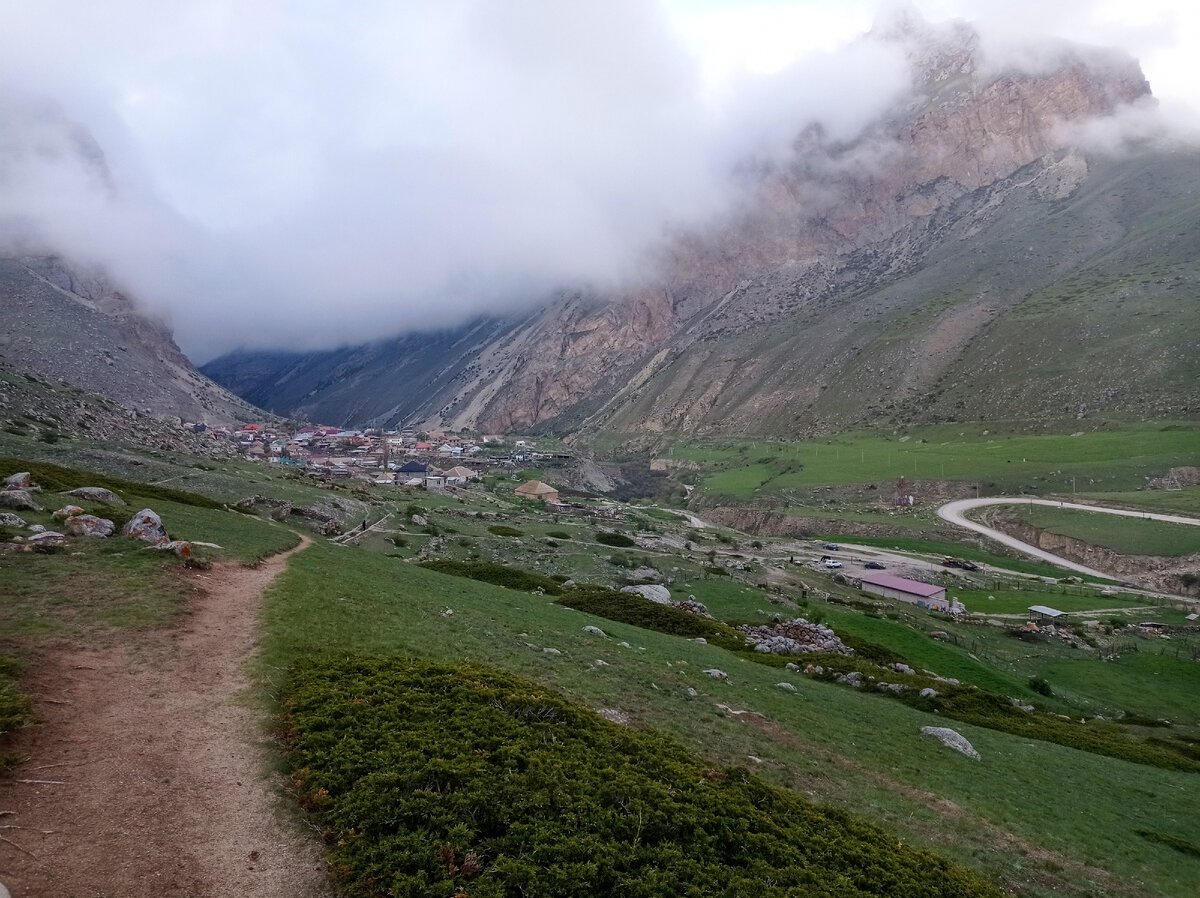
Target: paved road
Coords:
[(953, 512)]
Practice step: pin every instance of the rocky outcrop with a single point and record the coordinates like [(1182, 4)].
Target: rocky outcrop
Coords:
[(794, 637)]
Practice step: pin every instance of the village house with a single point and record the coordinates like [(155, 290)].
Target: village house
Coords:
[(537, 491)]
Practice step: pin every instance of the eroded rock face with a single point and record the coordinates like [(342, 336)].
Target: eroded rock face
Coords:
[(89, 525), (147, 526), (97, 494)]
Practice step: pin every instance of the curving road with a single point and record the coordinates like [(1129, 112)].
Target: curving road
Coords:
[(953, 512)]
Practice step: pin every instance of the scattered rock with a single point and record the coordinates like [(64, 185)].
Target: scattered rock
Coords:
[(895, 688), (901, 667), (940, 635), (791, 665), (96, 494), (180, 547), (600, 662), (717, 674), (929, 693), (595, 631), (21, 481), (699, 639), (691, 606), (854, 678), (448, 612), (67, 511), (14, 498), (567, 584), (952, 739), (692, 692), (794, 637), (7, 519), (37, 528), (788, 686), (147, 526), (46, 541), (89, 525), (660, 595), (420, 520), (549, 651), (615, 716)]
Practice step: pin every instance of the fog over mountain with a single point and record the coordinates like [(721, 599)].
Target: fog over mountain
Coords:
[(269, 175)]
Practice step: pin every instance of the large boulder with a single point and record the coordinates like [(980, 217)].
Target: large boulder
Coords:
[(952, 739), (7, 519), (21, 481), (18, 499), (97, 494), (89, 525), (660, 595), (146, 526)]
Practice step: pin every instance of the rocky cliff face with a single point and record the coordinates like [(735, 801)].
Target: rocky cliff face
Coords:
[(836, 217)]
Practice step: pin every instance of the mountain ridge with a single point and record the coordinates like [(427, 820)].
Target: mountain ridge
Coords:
[(768, 324)]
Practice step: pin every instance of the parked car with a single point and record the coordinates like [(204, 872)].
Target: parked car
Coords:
[(831, 547), (874, 566), (832, 563), (961, 564)]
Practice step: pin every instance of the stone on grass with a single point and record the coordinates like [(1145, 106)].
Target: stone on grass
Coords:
[(952, 739), (7, 519), (420, 520), (929, 693), (18, 499), (21, 481), (660, 595), (146, 526), (46, 541), (96, 494), (717, 674), (595, 631), (180, 547), (788, 686), (89, 525), (67, 511)]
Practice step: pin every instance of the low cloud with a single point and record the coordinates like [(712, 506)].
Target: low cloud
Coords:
[(272, 175)]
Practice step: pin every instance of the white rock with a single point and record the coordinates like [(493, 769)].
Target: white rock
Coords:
[(788, 686), (660, 595), (952, 739), (717, 674), (595, 631)]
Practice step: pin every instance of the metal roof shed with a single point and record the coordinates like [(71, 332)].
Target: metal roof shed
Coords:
[(1044, 613)]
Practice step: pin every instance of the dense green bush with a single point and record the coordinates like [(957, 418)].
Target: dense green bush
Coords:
[(496, 574), (631, 608), (14, 707), (558, 534), (433, 780), (504, 530), (614, 539)]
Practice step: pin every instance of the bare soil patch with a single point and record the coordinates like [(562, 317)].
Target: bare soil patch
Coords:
[(146, 771)]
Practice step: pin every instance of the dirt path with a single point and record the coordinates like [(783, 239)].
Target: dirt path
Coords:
[(152, 771)]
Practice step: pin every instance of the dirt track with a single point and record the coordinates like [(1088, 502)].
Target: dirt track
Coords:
[(151, 769)]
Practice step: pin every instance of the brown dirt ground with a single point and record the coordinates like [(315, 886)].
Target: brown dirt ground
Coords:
[(146, 771)]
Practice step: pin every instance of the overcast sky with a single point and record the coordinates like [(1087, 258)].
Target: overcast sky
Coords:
[(307, 172)]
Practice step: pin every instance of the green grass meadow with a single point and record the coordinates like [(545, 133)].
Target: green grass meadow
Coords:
[(856, 751), (1121, 458)]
